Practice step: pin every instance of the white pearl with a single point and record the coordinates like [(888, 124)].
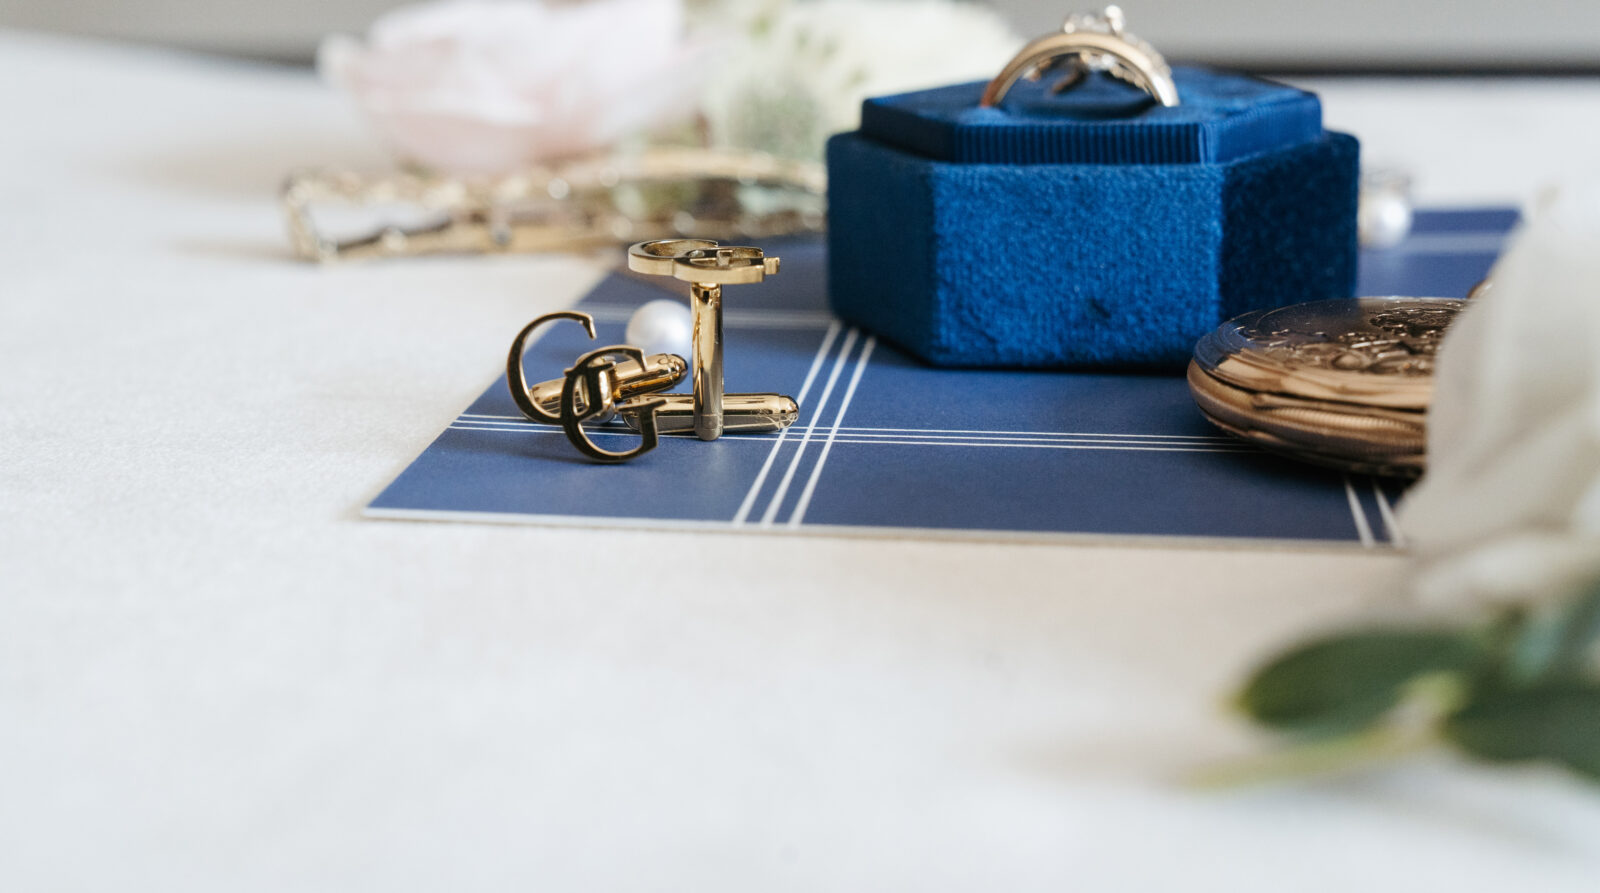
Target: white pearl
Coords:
[(1383, 218), (661, 326)]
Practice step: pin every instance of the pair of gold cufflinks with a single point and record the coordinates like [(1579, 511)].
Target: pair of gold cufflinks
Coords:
[(621, 380)]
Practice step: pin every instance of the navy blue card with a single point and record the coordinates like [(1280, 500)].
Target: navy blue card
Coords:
[(888, 446)]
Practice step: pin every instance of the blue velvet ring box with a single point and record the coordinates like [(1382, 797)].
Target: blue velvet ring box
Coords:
[(1087, 229)]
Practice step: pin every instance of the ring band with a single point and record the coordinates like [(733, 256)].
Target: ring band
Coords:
[(1089, 43)]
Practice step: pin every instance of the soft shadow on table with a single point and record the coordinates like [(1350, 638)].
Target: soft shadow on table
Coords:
[(250, 171), (1393, 791), (251, 167), (1413, 788), (238, 249)]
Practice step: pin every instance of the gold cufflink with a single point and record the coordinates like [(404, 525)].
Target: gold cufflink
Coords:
[(598, 386), (621, 380), (707, 266), (632, 375), (594, 374)]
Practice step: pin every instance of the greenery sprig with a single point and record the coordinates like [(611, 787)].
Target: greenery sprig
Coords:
[(1522, 686)]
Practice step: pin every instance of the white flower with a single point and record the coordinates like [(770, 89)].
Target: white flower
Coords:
[(1510, 506), (488, 86), (799, 71)]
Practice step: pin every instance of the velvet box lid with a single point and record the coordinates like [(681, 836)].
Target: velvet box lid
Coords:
[(1087, 229), (1222, 117)]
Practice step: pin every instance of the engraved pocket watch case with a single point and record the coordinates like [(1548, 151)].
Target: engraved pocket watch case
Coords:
[(1342, 383)]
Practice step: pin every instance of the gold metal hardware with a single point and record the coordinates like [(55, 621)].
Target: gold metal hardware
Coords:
[(707, 266), (592, 373), (741, 413), (621, 380), (629, 378)]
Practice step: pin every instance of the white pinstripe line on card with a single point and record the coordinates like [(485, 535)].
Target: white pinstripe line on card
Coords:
[(771, 513), (799, 513), (1050, 446), (530, 428), (1363, 529), (1391, 525), (901, 439), (954, 433), (749, 502), (848, 439), (1025, 438), (979, 431)]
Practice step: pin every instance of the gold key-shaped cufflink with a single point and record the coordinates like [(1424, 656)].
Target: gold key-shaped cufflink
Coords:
[(707, 266)]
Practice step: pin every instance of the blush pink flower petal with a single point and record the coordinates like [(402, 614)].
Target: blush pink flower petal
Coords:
[(487, 87)]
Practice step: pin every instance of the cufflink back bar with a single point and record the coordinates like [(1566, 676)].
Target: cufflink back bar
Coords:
[(629, 379), (741, 413)]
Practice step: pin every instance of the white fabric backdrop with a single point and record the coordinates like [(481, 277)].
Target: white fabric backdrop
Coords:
[(213, 675), (1333, 33)]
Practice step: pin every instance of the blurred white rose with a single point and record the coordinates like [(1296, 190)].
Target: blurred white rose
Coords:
[(794, 72), (488, 86), (1510, 507)]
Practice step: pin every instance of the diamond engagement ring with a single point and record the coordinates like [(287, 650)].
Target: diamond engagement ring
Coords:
[(1087, 43)]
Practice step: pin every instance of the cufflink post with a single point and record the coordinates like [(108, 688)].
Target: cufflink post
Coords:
[(707, 266), (705, 301)]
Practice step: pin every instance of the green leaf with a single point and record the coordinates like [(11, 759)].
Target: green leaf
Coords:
[(1344, 683), (1557, 641), (1559, 723)]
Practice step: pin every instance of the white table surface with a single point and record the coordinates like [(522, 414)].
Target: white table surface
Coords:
[(215, 676)]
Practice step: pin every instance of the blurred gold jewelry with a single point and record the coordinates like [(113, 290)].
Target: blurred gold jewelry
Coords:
[(579, 205)]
